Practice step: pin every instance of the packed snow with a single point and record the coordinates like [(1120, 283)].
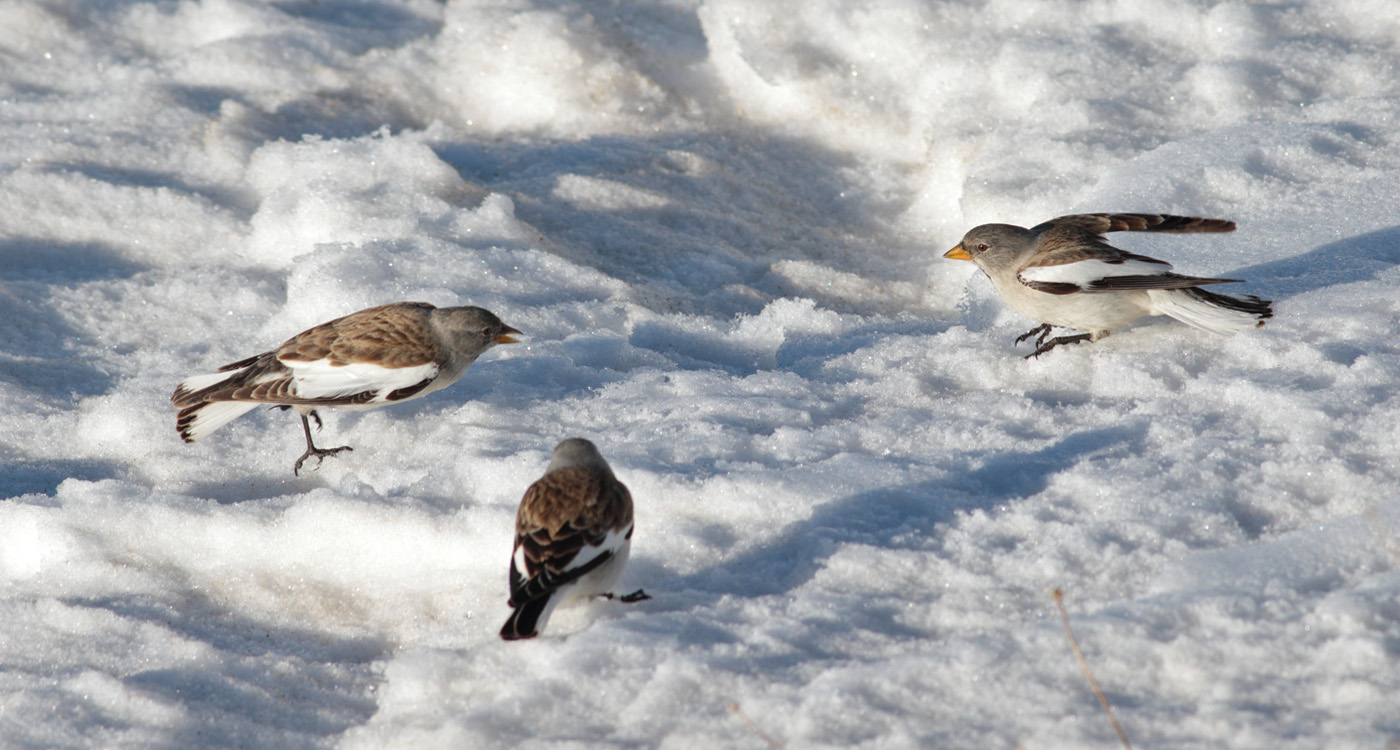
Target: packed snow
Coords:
[(720, 225)]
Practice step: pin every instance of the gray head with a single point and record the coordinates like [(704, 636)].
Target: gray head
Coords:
[(577, 452), (994, 246), (469, 331)]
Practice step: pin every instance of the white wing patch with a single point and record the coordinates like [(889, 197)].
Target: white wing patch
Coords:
[(321, 380), (611, 543), (1085, 272)]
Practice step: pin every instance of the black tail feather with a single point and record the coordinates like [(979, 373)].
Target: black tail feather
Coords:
[(185, 418), (524, 621), (1248, 303), (547, 582)]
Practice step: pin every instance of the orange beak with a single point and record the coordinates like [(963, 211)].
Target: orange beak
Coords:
[(958, 253), (505, 336)]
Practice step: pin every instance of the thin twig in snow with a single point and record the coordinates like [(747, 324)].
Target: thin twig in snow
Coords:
[(1093, 683)]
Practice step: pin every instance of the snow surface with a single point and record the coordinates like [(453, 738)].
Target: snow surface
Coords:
[(720, 224)]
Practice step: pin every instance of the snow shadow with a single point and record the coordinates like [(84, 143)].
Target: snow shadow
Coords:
[(694, 222), (21, 476), (25, 259), (256, 685), (1360, 258), (359, 26), (36, 344), (660, 40), (237, 202), (907, 517)]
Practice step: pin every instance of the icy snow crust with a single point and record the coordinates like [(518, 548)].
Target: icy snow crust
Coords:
[(720, 226)]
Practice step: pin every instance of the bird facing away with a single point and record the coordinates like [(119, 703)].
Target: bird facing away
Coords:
[(573, 534), (1063, 273), (364, 360)]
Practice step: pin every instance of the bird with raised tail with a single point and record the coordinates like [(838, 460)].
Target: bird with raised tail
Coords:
[(364, 360), (1063, 273), (573, 535)]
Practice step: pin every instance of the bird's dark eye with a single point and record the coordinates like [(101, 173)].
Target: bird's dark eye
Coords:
[(981, 248)]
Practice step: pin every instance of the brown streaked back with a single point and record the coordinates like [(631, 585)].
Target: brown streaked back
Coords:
[(394, 336), (579, 496)]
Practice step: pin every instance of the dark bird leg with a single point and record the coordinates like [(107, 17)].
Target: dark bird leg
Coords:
[(1052, 343), (1043, 329), (632, 598), (311, 449)]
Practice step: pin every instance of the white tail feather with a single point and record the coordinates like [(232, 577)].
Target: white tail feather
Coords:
[(200, 382), (1202, 313), (211, 416)]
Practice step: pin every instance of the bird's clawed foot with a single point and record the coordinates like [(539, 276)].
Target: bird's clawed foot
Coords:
[(632, 598), (1043, 329), (319, 453), (1052, 343), (311, 449)]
